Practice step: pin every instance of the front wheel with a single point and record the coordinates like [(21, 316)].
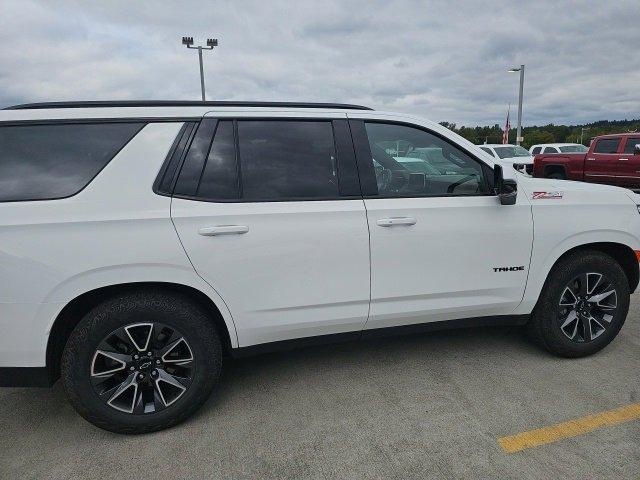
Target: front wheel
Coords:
[(141, 362), (583, 305)]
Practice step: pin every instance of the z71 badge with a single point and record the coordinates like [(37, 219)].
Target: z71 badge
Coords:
[(546, 195)]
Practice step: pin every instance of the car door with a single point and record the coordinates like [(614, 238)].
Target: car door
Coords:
[(442, 246), (271, 216), (601, 164), (629, 164)]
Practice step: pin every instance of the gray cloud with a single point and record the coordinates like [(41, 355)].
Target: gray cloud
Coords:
[(445, 60)]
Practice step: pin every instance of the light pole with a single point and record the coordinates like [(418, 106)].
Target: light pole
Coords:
[(211, 42), (582, 130), (519, 131)]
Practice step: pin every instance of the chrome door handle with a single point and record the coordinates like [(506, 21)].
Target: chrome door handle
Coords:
[(623, 159), (591, 159), (391, 222), (223, 230)]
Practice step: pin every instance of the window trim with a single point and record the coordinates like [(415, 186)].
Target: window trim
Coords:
[(341, 156), (73, 122), (367, 173)]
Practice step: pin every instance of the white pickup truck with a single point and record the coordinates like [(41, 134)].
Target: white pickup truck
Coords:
[(141, 243)]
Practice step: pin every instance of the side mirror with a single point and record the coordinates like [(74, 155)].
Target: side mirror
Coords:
[(505, 188), (636, 149)]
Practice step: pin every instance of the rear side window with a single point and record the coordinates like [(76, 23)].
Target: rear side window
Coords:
[(607, 145), (631, 144), (550, 150), (488, 151), (287, 159), (220, 177), (536, 151), (46, 162)]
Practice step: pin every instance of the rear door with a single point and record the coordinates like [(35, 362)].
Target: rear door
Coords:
[(271, 216), (601, 164), (629, 164)]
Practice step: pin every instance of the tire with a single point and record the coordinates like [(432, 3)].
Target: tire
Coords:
[(552, 322), (182, 347), (557, 176)]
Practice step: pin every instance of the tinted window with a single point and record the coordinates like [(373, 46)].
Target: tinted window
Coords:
[(536, 150), (447, 169), (550, 150), (631, 143), (573, 149), (283, 160), (187, 183), (220, 177), (54, 161), (488, 150), (607, 145)]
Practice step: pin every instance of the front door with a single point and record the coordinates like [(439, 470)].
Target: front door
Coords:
[(442, 245), (270, 215), (601, 163)]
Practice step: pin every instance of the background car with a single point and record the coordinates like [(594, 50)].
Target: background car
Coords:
[(557, 148), (511, 155)]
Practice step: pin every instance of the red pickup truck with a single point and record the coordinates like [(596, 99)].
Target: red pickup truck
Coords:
[(611, 159)]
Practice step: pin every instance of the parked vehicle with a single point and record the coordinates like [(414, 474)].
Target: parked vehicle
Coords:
[(611, 159), (143, 243), (557, 148), (511, 155)]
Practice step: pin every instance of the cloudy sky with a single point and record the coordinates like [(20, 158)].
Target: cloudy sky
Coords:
[(445, 60)]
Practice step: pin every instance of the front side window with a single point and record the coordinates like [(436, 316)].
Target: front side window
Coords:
[(39, 162), (410, 162), (607, 145), (287, 159), (631, 144)]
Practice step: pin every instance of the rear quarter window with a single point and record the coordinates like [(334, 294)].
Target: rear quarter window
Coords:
[(46, 162)]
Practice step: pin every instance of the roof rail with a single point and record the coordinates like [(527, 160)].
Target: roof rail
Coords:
[(181, 103)]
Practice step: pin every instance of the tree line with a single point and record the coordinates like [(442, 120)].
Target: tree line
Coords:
[(547, 133)]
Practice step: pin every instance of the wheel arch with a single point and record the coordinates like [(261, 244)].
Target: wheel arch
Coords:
[(74, 311), (623, 254), (555, 168)]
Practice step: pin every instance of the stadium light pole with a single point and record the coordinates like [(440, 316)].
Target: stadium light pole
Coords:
[(519, 131), (211, 42)]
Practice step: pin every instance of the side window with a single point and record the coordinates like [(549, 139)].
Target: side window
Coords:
[(220, 177), (631, 144), (536, 151), (607, 145), (39, 162), (287, 159), (488, 150), (409, 162), (550, 150)]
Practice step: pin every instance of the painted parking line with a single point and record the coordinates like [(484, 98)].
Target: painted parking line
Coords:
[(572, 428)]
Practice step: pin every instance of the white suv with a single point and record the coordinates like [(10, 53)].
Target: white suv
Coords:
[(143, 242)]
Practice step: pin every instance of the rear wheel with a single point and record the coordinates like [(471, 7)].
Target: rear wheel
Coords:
[(141, 362), (583, 305)]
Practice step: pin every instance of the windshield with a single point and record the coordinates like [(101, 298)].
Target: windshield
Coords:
[(573, 149), (509, 151)]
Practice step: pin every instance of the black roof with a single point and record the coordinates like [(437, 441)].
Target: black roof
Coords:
[(181, 103)]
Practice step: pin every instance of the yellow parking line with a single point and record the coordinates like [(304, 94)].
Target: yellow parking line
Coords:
[(573, 428)]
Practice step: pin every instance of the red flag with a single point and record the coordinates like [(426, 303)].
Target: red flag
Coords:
[(507, 126)]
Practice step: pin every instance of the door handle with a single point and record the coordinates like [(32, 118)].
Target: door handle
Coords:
[(391, 222), (591, 159), (223, 230), (623, 159)]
